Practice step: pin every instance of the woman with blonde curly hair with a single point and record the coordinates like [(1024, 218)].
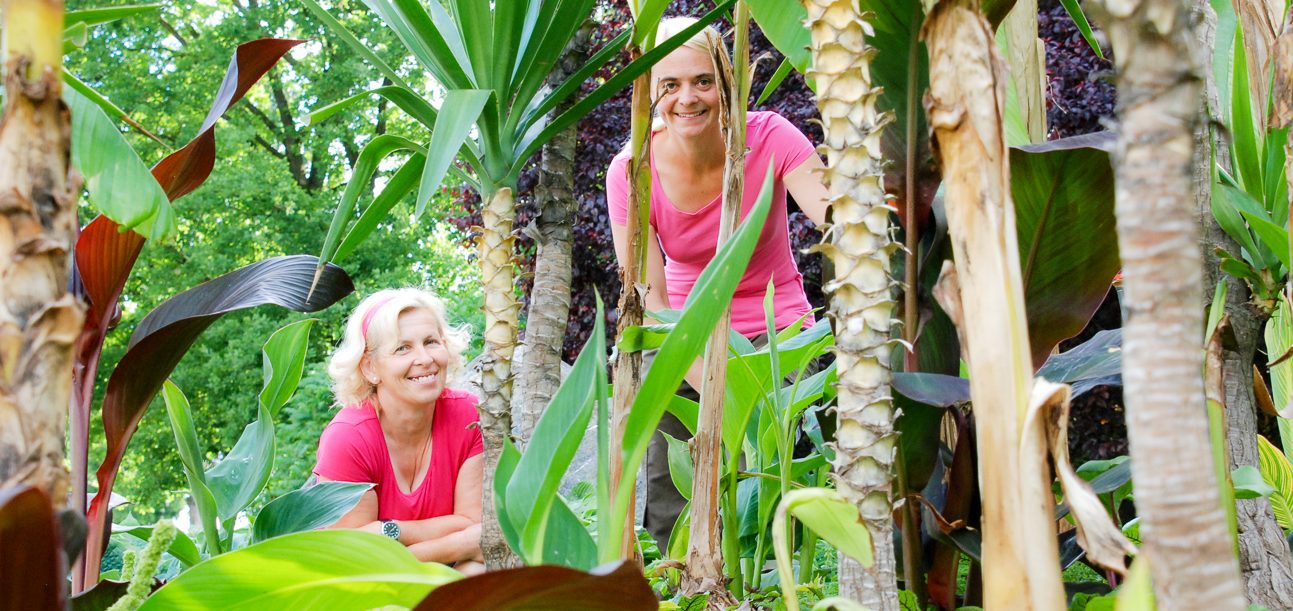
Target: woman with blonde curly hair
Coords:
[(400, 429)]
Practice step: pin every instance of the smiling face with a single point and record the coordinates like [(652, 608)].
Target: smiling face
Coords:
[(410, 371), (687, 93)]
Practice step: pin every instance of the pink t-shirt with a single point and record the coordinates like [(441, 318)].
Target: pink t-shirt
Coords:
[(353, 449), (688, 240)]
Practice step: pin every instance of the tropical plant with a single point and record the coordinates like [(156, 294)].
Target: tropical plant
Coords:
[(39, 317), (860, 247), (493, 62), (1163, 374)]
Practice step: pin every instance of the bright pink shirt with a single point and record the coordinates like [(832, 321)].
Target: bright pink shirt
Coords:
[(353, 449), (688, 240)]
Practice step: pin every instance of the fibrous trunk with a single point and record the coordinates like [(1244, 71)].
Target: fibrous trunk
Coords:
[(1183, 526), (704, 570), (495, 252), (39, 319), (860, 247), (965, 104), (545, 328)]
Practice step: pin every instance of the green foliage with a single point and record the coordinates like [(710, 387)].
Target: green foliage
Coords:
[(145, 567), (307, 509), (829, 515), (348, 569), (1277, 474)]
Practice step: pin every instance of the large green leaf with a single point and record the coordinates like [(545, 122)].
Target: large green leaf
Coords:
[(1227, 204), (532, 487), (1279, 341), (1064, 193), (119, 182), (826, 513), (182, 547), (783, 23), (237, 479), (458, 113), (284, 360), (186, 442), (1278, 472), (341, 569), (307, 509), (709, 298), (680, 467), (646, 17)]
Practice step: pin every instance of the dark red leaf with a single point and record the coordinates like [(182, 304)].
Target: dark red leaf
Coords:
[(101, 596), (31, 568), (547, 588), (186, 169), (162, 338)]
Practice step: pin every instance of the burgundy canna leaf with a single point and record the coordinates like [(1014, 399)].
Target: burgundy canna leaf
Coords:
[(31, 566), (162, 338), (608, 588)]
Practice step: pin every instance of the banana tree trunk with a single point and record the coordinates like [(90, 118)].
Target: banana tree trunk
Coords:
[(859, 245), (965, 104), (1160, 91), (495, 252), (39, 320), (628, 366), (545, 328), (704, 570)]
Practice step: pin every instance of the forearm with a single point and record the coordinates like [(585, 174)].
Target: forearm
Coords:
[(454, 547), (417, 531)]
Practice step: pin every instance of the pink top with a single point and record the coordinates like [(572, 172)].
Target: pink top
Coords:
[(688, 240), (353, 449)]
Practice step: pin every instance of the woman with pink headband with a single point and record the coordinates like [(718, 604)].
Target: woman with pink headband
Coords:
[(402, 430)]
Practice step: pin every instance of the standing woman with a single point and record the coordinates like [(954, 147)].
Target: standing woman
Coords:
[(687, 158), (402, 430)]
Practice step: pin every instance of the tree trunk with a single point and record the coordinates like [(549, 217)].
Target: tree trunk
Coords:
[(39, 320), (545, 328), (1263, 550), (704, 569), (965, 103), (495, 252), (862, 306), (1183, 525)]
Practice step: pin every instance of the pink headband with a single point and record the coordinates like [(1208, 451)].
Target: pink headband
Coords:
[(368, 317)]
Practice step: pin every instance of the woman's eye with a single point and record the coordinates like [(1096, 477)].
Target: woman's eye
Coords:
[(401, 349)]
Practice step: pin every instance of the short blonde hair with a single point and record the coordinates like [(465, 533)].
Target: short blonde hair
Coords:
[(380, 312)]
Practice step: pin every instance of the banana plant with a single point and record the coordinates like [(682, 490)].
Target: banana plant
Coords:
[(492, 61)]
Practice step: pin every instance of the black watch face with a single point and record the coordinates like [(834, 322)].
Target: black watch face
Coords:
[(391, 529)]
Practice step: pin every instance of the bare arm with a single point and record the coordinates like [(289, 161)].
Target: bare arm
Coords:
[(364, 515), (805, 184)]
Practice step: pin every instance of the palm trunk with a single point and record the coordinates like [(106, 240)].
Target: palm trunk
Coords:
[(704, 570), (862, 303), (1160, 90), (965, 104), (628, 366), (39, 319), (495, 252), (545, 329)]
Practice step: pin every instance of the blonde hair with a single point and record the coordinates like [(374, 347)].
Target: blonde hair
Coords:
[(380, 313)]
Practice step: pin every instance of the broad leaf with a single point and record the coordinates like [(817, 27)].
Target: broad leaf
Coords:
[(567, 541), (191, 457), (237, 479), (709, 298), (532, 487), (1064, 192), (1249, 484), (1278, 473), (348, 569), (680, 467), (307, 509), (100, 597), (31, 563), (932, 388), (457, 115), (826, 513), (119, 183), (162, 337), (783, 23), (284, 360), (182, 548), (618, 587)]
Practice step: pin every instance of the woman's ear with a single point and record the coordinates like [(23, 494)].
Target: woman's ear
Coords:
[(367, 370)]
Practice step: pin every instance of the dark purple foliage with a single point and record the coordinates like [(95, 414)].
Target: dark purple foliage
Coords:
[(1079, 101)]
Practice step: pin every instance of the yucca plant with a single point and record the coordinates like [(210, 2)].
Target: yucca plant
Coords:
[(860, 247), (492, 61)]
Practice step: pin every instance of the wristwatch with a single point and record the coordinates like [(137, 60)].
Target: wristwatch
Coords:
[(391, 529)]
